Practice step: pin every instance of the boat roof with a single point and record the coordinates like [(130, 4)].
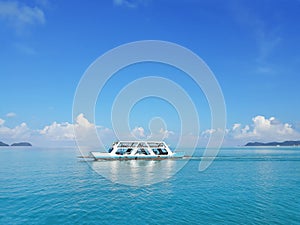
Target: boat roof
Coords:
[(152, 144)]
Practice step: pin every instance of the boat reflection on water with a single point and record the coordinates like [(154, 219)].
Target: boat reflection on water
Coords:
[(137, 172)]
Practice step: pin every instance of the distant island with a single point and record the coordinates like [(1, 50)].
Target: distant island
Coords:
[(22, 144), (3, 144), (285, 143), (16, 144)]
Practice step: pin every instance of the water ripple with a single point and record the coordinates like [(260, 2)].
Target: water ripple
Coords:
[(53, 187)]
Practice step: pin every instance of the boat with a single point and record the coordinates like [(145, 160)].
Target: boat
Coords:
[(128, 150)]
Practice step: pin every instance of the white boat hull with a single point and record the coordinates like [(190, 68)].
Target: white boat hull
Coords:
[(108, 156)]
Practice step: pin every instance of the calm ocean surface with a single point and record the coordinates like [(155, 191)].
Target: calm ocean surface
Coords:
[(242, 186)]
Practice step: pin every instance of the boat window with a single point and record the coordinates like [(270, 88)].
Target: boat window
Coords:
[(145, 151), (128, 151), (110, 150), (165, 152), (162, 151), (120, 151), (138, 152), (142, 151), (156, 152)]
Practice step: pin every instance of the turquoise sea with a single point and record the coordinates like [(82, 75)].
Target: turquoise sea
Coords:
[(242, 186)]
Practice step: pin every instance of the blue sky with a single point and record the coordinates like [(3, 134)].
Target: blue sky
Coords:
[(252, 47)]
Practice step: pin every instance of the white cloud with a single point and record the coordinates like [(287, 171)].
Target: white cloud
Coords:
[(20, 132), (208, 132), (138, 132), (88, 134), (11, 114), (264, 129), (58, 134), (82, 131), (59, 131), (66, 131), (159, 134), (165, 133), (130, 3), (83, 122), (19, 15), (2, 122)]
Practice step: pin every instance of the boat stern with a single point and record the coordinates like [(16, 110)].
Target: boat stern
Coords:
[(100, 155)]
